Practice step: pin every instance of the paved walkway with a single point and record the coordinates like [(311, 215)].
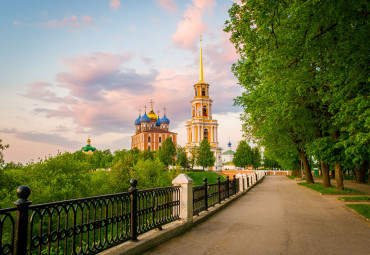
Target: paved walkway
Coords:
[(276, 217)]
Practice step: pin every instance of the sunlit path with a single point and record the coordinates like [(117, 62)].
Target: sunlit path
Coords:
[(276, 217)]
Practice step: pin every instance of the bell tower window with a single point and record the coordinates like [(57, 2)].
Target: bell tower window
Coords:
[(196, 91), (206, 134), (203, 92), (204, 110)]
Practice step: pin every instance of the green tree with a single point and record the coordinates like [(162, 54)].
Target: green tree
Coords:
[(151, 173), (256, 159), (167, 152), (243, 155), (308, 62), (2, 147), (193, 156), (205, 156), (181, 158)]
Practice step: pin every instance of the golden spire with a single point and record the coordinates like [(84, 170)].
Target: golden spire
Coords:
[(201, 64)]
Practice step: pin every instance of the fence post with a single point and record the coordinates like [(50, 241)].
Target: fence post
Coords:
[(22, 204), (133, 210), (241, 182), (186, 196), (219, 189), (234, 184), (205, 193), (245, 181), (228, 186)]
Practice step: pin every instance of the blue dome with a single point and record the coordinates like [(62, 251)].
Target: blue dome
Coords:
[(145, 118), (158, 122), (229, 144), (137, 121), (164, 120)]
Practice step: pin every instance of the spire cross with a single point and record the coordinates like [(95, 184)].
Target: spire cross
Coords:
[(139, 110), (151, 102), (158, 113), (164, 110), (145, 108)]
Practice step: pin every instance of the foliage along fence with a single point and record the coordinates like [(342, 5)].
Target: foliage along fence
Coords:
[(207, 195), (94, 224), (85, 226)]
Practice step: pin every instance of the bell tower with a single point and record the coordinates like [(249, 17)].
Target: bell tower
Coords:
[(202, 126)]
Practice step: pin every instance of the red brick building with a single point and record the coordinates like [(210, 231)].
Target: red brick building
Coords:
[(151, 131)]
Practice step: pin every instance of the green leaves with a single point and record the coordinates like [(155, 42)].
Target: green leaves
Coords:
[(304, 69), (205, 157), (167, 152)]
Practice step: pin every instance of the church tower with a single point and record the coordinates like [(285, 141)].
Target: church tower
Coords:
[(202, 126)]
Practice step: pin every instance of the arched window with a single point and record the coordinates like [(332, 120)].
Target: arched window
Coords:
[(205, 134), (196, 91), (160, 139), (148, 148), (204, 110), (149, 139), (203, 92)]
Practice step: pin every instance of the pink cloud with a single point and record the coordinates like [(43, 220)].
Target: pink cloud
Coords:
[(168, 5), (114, 4), (155, 20), (72, 22), (192, 26), (16, 22)]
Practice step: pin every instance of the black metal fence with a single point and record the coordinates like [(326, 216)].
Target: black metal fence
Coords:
[(87, 225), (207, 195)]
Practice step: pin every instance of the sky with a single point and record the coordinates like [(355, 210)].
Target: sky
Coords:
[(70, 70)]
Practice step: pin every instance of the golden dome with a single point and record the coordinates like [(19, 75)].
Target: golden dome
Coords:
[(152, 115)]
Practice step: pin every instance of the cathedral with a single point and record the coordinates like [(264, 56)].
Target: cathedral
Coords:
[(151, 131), (202, 126)]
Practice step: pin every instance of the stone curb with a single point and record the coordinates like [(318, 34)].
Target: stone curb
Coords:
[(169, 231)]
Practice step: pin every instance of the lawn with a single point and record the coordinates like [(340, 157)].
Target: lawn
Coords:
[(290, 177), (355, 199), (198, 177), (361, 209), (331, 191)]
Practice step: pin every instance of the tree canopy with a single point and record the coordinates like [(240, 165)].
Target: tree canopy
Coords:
[(167, 152), (205, 157), (304, 69)]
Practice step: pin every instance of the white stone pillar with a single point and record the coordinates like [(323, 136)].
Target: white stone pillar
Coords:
[(186, 196), (199, 134), (244, 176), (216, 135), (240, 179)]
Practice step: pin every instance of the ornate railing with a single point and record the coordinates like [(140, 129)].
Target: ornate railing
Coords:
[(207, 195), (87, 225)]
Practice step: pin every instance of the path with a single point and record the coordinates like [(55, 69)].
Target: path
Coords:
[(276, 217)]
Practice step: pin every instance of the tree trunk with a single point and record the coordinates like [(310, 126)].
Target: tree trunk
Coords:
[(338, 176), (307, 170), (325, 175), (360, 173)]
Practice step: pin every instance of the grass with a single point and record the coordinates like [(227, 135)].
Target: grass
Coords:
[(361, 209), (355, 199), (290, 177), (198, 177), (331, 191)]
